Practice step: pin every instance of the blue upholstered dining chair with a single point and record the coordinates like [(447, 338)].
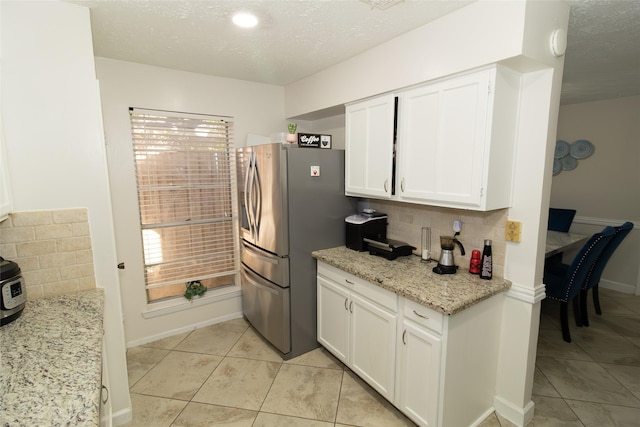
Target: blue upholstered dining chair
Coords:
[(564, 285), (560, 219), (593, 278)]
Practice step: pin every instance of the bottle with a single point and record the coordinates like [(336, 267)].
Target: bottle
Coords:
[(475, 262), (487, 266)]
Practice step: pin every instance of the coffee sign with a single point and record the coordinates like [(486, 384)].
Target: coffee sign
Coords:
[(314, 140)]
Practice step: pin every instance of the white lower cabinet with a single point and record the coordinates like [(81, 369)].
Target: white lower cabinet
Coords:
[(357, 324), (373, 338), (105, 401), (418, 369), (438, 370)]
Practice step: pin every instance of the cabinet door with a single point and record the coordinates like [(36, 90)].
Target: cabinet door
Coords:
[(105, 400), (369, 147), (5, 191), (373, 338), (419, 376), (441, 141), (333, 318)]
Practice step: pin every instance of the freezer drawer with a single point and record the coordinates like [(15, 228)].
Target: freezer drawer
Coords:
[(266, 306), (271, 267)]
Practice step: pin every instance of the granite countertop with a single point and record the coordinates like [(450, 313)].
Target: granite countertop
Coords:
[(412, 278), (51, 362)]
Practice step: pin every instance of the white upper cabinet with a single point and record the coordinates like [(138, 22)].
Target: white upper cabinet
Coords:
[(369, 147), (5, 190), (455, 141)]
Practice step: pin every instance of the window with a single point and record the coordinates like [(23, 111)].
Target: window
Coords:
[(185, 173)]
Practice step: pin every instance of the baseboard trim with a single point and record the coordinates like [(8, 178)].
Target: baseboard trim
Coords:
[(617, 286), (188, 328), (518, 416), (483, 417), (122, 417)]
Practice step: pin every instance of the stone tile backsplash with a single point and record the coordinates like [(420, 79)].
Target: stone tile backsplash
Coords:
[(406, 222), (53, 249)]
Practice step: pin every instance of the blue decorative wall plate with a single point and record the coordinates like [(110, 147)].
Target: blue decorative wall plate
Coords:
[(569, 163), (581, 149), (562, 149)]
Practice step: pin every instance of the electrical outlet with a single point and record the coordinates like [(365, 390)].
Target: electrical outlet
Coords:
[(513, 231), (315, 171)]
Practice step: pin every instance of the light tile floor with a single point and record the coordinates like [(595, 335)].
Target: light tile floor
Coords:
[(225, 375)]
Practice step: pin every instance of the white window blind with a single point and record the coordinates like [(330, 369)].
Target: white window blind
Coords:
[(185, 171)]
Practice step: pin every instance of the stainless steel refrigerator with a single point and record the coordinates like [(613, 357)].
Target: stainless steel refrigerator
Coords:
[(292, 202)]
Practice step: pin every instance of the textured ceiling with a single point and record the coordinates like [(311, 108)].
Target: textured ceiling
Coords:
[(603, 51), (297, 38)]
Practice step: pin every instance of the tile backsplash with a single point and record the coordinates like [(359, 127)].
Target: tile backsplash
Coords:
[(406, 222), (53, 249)]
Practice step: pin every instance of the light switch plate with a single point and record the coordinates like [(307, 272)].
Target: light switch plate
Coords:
[(315, 170)]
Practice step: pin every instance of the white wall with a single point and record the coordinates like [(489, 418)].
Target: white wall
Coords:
[(482, 33), (54, 144), (604, 187), (256, 108)]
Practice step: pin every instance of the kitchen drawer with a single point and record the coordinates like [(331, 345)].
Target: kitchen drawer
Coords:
[(423, 316), (370, 291)]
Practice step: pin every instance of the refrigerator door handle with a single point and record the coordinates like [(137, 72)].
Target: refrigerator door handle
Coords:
[(251, 279), (247, 207), (251, 207), (254, 253), (258, 199)]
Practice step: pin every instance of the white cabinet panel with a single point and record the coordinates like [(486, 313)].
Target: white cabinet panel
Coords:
[(442, 140), (373, 343), (105, 400), (369, 147), (6, 205), (419, 374), (333, 318)]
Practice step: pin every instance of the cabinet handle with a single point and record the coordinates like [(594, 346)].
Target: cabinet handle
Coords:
[(404, 334), (346, 307), (386, 185), (402, 185), (349, 282), (351, 307), (105, 399), (420, 315)]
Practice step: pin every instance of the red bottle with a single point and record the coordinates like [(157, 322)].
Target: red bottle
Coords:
[(474, 264)]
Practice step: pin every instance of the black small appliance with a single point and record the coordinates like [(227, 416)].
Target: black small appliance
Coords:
[(389, 249), (13, 295), (366, 225)]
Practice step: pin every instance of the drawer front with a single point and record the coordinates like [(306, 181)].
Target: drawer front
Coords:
[(370, 291), (423, 316)]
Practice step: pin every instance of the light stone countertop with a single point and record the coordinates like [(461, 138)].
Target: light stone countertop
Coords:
[(51, 362), (412, 278)]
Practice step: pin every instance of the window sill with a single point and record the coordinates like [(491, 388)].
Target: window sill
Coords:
[(180, 304)]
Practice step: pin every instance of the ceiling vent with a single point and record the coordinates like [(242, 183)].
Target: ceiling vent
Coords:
[(382, 4)]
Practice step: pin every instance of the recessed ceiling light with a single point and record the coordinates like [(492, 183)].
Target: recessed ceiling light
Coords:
[(245, 20)]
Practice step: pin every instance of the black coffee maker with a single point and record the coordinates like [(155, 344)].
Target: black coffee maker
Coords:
[(366, 225)]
